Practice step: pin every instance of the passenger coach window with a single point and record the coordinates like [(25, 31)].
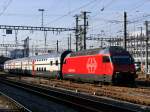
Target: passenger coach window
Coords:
[(51, 62), (56, 62), (45, 69), (106, 59)]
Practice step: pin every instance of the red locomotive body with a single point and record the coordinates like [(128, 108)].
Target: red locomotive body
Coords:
[(113, 64)]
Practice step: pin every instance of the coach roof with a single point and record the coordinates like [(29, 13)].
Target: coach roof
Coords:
[(52, 55)]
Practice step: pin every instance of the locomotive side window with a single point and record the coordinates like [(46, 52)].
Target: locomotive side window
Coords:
[(106, 59)]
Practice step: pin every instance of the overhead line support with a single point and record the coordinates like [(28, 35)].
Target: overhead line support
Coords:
[(35, 28)]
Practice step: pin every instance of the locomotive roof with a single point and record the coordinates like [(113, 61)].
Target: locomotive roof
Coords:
[(86, 52), (106, 50)]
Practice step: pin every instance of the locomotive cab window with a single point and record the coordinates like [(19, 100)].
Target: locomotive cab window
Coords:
[(106, 59)]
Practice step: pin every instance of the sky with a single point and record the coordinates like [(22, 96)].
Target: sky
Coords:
[(105, 18)]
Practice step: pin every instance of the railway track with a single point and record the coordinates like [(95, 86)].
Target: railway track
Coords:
[(7, 104), (135, 95), (76, 99)]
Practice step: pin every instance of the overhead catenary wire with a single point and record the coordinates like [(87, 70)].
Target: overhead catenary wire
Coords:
[(140, 4), (129, 21), (5, 7), (139, 19), (104, 7), (113, 21), (72, 11)]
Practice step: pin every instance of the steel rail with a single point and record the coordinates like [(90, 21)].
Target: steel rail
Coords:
[(19, 106)]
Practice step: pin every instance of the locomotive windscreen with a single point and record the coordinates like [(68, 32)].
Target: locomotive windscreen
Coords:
[(122, 59), (116, 49), (120, 55)]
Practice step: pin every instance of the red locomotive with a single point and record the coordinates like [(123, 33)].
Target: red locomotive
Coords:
[(112, 64)]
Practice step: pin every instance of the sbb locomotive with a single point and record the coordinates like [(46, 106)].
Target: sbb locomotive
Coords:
[(112, 64)]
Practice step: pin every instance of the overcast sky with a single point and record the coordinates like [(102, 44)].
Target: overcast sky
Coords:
[(106, 17)]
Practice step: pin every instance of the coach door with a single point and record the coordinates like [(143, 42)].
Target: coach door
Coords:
[(33, 68)]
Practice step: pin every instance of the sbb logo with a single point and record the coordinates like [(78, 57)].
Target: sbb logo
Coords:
[(91, 65)]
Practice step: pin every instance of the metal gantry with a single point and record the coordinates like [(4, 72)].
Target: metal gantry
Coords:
[(32, 28)]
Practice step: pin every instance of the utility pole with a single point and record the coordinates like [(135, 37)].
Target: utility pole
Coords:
[(57, 45), (45, 42), (4, 39), (42, 25), (146, 52), (125, 31), (42, 10), (70, 41), (6, 50), (26, 47), (81, 31), (85, 28), (16, 38), (141, 29), (77, 31), (141, 46)]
